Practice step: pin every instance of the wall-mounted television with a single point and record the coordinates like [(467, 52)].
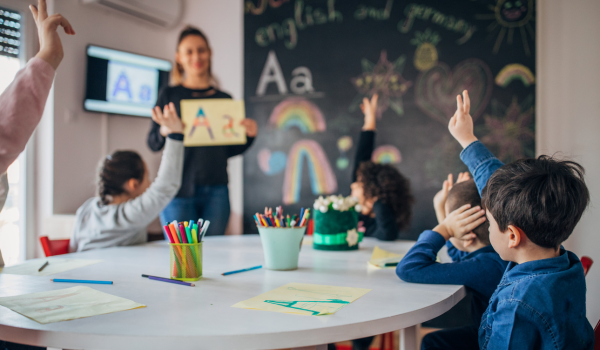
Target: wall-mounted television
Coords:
[(123, 83)]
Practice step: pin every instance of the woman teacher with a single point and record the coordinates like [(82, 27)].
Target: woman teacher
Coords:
[(203, 193)]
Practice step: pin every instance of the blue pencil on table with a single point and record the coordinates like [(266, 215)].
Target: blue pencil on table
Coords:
[(80, 281), (242, 270)]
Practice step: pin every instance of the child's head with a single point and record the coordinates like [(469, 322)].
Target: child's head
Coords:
[(534, 201), (123, 175), (381, 182), (466, 193), (193, 55)]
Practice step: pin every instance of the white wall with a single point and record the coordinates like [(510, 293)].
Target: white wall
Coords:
[(568, 111)]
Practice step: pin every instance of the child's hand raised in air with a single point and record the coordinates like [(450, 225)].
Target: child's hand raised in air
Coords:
[(439, 200), (369, 109), (461, 223), (168, 120), (461, 124), (51, 49)]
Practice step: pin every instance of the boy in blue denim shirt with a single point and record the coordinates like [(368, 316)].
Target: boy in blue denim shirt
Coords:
[(533, 206)]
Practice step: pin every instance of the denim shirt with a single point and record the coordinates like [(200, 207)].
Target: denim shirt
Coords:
[(480, 271), (481, 163), (538, 304)]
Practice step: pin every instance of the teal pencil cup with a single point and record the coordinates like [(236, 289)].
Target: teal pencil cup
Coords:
[(281, 246)]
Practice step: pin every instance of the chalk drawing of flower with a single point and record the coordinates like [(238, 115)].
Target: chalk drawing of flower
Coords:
[(385, 79), (352, 237), (508, 129)]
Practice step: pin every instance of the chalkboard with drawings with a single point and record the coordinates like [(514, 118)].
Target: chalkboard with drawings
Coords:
[(308, 64)]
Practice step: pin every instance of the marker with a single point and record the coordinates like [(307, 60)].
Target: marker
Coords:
[(43, 266), (168, 232), (174, 234), (80, 281), (188, 233), (243, 270), (168, 280), (204, 229), (391, 264), (183, 235)]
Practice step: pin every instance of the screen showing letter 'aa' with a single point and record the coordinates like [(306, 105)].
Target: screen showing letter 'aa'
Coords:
[(123, 83)]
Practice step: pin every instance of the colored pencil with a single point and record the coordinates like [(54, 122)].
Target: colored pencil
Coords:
[(168, 280), (243, 270), (43, 266), (80, 281)]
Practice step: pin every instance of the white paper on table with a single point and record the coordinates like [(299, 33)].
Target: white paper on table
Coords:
[(55, 265), (67, 304)]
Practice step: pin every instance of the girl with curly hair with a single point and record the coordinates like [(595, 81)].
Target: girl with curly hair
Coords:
[(382, 191)]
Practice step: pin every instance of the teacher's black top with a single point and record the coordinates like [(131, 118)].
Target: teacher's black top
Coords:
[(383, 224), (201, 165)]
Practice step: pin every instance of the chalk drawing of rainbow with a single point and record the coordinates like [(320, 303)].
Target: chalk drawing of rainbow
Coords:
[(322, 178), (300, 113), (386, 154), (512, 72)]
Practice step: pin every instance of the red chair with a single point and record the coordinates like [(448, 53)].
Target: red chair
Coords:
[(55, 246), (587, 262)]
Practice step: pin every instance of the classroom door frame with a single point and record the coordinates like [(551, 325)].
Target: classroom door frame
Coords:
[(27, 195)]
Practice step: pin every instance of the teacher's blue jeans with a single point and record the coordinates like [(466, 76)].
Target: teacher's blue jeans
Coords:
[(209, 203)]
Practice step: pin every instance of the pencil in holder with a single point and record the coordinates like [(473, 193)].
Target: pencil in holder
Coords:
[(186, 261)]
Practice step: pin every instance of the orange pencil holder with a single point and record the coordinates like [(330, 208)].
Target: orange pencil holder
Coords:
[(186, 261)]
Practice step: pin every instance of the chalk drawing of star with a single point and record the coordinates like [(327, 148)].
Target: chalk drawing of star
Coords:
[(383, 78), (509, 128)]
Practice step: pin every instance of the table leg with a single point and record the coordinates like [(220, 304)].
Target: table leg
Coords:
[(315, 347), (408, 338)]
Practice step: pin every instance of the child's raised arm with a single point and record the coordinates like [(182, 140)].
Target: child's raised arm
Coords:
[(369, 109), (461, 124)]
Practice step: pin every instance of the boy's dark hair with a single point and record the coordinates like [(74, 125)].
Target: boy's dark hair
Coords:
[(115, 170), (466, 193), (544, 197), (390, 187)]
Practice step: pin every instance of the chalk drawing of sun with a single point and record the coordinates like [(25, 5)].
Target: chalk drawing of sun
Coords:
[(508, 17)]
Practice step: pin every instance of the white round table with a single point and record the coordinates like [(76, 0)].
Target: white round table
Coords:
[(201, 317)]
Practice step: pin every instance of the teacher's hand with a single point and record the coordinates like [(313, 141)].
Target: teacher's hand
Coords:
[(251, 127)]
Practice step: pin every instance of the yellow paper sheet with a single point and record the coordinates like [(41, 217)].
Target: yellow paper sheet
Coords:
[(304, 299), (381, 257), (213, 122), (67, 304), (55, 265)]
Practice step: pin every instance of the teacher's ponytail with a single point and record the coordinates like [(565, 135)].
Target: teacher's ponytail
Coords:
[(177, 73)]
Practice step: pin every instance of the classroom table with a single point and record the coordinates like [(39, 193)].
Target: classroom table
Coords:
[(201, 317)]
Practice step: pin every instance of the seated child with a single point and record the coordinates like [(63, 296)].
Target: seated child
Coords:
[(126, 201), (382, 191), (475, 264), (532, 205)]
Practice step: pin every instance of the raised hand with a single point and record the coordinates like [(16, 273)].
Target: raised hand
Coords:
[(251, 127), (439, 200), (51, 49), (168, 120), (369, 109), (461, 124)]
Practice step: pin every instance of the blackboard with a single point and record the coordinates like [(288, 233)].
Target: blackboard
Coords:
[(317, 59)]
